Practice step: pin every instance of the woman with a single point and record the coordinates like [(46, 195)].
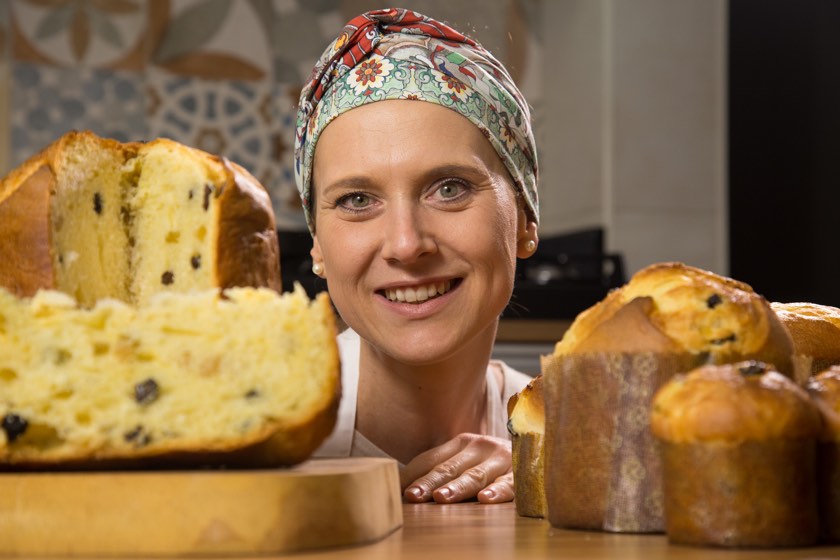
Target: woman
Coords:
[(417, 170)]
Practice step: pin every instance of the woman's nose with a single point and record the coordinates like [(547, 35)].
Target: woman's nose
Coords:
[(407, 235)]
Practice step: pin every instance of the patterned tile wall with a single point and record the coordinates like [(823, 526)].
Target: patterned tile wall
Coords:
[(220, 75), (5, 82)]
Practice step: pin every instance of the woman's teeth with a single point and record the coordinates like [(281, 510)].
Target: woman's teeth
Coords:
[(419, 293)]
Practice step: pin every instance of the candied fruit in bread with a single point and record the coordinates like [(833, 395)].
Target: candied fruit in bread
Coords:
[(247, 377)]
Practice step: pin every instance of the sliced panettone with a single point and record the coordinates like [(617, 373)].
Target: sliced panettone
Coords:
[(97, 218), (248, 377)]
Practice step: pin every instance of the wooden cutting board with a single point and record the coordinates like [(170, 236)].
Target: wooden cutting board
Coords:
[(320, 503)]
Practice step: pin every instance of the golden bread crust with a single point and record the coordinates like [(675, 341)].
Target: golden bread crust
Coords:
[(683, 309), (526, 409), (746, 401), (249, 253), (815, 330), (24, 222)]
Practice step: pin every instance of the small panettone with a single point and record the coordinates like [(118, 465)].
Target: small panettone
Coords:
[(825, 392), (526, 424), (815, 330), (96, 218), (738, 457), (602, 465), (248, 378)]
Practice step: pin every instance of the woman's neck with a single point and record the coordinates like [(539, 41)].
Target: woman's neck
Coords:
[(405, 409)]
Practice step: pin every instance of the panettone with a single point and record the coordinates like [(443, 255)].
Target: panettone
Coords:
[(96, 218), (245, 378), (824, 389), (738, 457), (815, 330), (526, 424), (602, 466)]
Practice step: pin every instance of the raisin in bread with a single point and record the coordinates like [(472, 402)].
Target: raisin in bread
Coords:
[(96, 218), (250, 377), (738, 452)]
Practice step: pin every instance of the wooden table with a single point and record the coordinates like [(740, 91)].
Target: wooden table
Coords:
[(473, 531)]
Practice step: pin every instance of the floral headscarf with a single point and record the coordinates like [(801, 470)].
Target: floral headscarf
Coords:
[(400, 54)]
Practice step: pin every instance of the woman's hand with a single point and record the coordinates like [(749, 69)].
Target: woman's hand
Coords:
[(465, 467)]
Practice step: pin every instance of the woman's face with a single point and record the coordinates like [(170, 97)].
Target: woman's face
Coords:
[(417, 226)]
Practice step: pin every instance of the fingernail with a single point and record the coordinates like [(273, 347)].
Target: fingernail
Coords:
[(414, 492), (489, 494), (445, 493)]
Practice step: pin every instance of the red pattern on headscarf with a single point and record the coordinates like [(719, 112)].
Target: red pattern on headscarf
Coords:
[(361, 38)]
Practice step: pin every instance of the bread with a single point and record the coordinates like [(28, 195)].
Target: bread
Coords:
[(691, 310), (738, 452), (815, 330), (602, 466), (526, 424), (824, 389), (247, 378), (96, 218)]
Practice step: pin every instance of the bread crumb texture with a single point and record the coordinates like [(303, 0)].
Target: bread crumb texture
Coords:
[(184, 372)]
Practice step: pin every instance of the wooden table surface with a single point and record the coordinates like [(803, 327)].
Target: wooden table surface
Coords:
[(473, 531)]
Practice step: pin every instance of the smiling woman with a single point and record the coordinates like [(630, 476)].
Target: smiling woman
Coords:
[(417, 170)]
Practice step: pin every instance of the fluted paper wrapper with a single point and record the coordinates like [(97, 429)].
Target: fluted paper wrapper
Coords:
[(602, 464), (751, 494), (828, 488)]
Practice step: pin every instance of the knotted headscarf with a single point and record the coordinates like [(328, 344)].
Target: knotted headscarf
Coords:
[(400, 54)]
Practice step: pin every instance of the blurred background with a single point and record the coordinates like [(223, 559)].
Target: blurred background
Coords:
[(703, 131)]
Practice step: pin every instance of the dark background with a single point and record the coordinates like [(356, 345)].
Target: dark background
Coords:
[(784, 148)]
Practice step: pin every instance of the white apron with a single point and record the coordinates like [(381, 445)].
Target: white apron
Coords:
[(345, 441)]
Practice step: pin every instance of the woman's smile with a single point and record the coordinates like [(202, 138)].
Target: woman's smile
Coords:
[(419, 293)]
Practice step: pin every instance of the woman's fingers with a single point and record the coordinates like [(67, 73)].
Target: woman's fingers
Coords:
[(499, 492), (428, 460), (471, 482), (461, 469)]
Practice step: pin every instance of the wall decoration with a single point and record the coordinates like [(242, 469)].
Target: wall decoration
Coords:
[(219, 75)]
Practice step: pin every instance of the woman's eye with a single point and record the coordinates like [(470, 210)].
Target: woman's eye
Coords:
[(450, 189), (355, 201)]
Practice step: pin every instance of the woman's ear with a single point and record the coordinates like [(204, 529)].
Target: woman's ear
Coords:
[(527, 241), (315, 251)]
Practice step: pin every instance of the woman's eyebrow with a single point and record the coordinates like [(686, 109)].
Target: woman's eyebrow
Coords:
[(458, 170), (354, 182)]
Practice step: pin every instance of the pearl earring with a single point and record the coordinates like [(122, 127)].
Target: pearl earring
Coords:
[(318, 269), (531, 246)]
